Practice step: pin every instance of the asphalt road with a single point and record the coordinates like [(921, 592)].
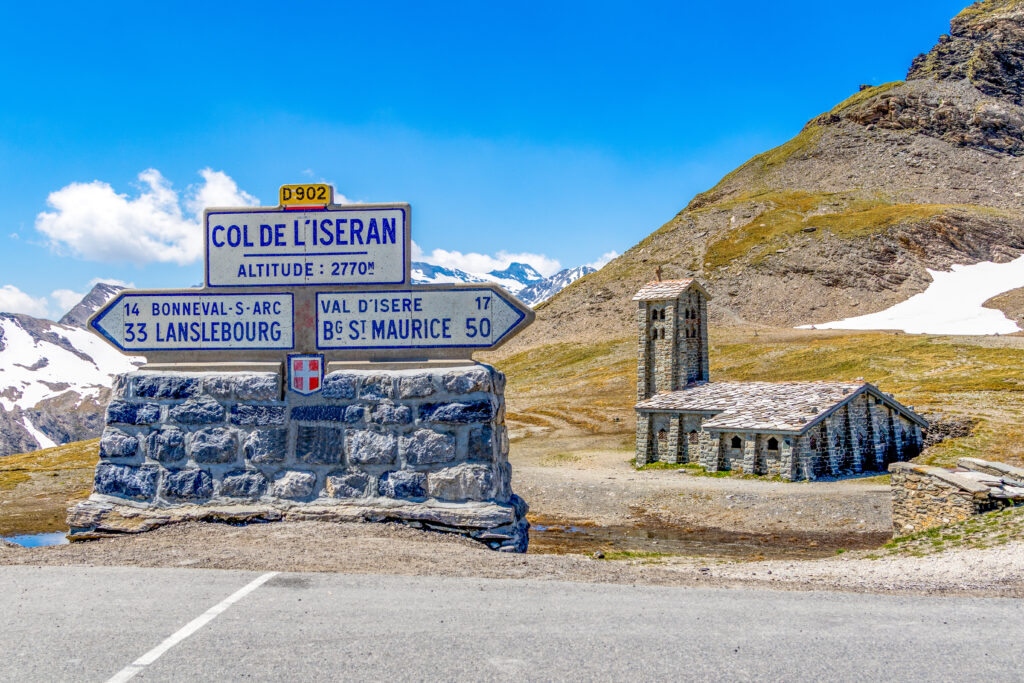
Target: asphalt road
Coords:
[(90, 623)]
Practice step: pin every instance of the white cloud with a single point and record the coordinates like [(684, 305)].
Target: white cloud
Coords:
[(484, 263), (13, 300), (218, 189), (604, 259), (96, 223), (66, 299)]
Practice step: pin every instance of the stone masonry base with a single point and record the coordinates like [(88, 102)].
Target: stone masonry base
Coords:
[(424, 446)]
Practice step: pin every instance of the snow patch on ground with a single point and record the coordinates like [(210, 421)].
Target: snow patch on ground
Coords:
[(952, 304), (42, 439)]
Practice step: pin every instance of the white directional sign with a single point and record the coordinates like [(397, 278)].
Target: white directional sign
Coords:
[(196, 321), (454, 317), (334, 245)]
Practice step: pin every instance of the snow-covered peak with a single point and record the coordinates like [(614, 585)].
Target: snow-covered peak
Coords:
[(520, 272), (545, 289), (520, 279), (92, 302)]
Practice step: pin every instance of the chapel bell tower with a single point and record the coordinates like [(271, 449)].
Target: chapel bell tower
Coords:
[(673, 336)]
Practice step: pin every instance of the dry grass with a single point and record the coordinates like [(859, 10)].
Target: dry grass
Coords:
[(788, 213), (36, 488)]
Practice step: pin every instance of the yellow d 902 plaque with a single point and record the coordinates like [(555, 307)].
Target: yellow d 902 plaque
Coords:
[(315, 194)]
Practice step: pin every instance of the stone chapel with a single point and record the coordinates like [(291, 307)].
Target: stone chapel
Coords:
[(794, 430)]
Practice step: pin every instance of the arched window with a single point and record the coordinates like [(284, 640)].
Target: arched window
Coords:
[(773, 444), (737, 442), (814, 444)]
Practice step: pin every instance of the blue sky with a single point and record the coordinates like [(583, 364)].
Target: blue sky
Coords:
[(560, 131)]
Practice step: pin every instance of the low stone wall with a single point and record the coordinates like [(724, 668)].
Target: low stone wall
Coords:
[(422, 446), (925, 497)]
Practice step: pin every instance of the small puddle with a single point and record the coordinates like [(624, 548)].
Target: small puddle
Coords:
[(548, 535), (39, 540)]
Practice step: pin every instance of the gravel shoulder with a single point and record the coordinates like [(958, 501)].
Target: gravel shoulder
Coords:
[(399, 550)]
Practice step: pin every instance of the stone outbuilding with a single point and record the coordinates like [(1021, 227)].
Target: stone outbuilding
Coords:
[(793, 430)]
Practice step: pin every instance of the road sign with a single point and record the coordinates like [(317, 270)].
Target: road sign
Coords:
[(354, 244), (440, 317), (317, 194), (196, 320)]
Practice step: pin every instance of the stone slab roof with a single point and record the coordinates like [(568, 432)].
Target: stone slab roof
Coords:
[(659, 290), (786, 407)]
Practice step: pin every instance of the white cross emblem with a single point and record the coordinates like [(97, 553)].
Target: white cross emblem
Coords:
[(305, 374)]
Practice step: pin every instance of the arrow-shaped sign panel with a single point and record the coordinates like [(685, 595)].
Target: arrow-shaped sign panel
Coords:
[(452, 317), (196, 320)]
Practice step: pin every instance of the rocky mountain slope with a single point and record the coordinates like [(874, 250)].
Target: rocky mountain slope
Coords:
[(845, 218), (54, 377)]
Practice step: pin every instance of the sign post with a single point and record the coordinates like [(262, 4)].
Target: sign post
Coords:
[(315, 280)]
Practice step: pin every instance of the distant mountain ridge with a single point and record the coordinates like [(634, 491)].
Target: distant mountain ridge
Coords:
[(520, 279)]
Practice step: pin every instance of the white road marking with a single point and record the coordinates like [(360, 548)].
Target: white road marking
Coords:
[(188, 629)]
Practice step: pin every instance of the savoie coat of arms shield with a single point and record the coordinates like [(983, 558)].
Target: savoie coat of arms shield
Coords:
[(305, 373)]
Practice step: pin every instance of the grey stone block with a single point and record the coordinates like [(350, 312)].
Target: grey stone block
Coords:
[(117, 444), (243, 484), (354, 414), (218, 386), (467, 381), (318, 445), (481, 443), (121, 385), (425, 446), (376, 387), (338, 385), (138, 483), (416, 386), (147, 413), (403, 484), (477, 411), (266, 446), (258, 387), (187, 485), (213, 445), (498, 382), (389, 414), (462, 482), (319, 413), (366, 447), (294, 484), (259, 416), (166, 445), (348, 484), (120, 412), (166, 386), (197, 411), (124, 412)]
